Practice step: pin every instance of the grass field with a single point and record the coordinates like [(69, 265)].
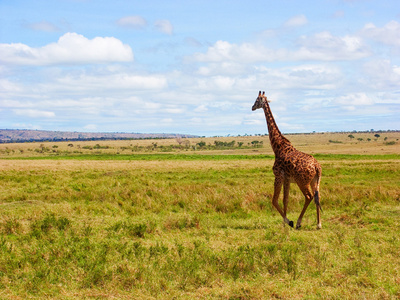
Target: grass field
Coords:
[(196, 223)]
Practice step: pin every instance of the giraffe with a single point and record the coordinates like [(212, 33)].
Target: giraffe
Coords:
[(291, 165)]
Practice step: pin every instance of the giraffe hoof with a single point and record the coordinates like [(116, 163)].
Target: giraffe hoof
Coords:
[(298, 226), (291, 224)]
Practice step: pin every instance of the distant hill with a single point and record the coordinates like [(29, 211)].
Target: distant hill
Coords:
[(25, 135)]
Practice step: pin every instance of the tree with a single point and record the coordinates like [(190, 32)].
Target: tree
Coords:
[(179, 140), (351, 136), (201, 144), (376, 135)]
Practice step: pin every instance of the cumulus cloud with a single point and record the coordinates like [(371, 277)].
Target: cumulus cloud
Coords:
[(381, 74), (388, 34), (302, 77), (214, 92), (326, 47), (242, 53), (136, 22), (355, 99), (164, 26), (71, 48), (319, 47)]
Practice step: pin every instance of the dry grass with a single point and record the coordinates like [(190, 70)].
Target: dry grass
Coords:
[(326, 143)]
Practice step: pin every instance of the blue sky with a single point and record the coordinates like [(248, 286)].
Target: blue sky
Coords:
[(196, 67)]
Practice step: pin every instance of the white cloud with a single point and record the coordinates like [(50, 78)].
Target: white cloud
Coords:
[(201, 108), (291, 127), (211, 94), (388, 34), (326, 47), (296, 21), (15, 104), (223, 82), (43, 26), (254, 118), (167, 121), (303, 77), (90, 127), (26, 126), (381, 74), (322, 46), (34, 113), (174, 110), (313, 76), (355, 99), (164, 26), (97, 82), (242, 53), (192, 42), (136, 22), (71, 48), (7, 86), (196, 121)]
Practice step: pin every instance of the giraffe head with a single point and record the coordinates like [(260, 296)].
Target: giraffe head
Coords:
[(260, 101)]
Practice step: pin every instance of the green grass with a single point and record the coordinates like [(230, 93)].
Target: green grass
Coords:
[(190, 157), (151, 157), (197, 226)]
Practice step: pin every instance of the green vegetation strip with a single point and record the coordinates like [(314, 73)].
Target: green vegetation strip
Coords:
[(197, 157)]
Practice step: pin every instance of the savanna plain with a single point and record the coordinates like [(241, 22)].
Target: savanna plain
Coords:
[(193, 219)]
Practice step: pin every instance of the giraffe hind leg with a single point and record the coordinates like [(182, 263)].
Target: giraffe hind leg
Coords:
[(319, 209), (308, 198), (316, 200), (315, 189)]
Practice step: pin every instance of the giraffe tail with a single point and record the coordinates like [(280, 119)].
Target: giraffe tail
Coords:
[(316, 194), (316, 200)]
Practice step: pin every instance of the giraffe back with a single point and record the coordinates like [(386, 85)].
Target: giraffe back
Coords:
[(297, 166)]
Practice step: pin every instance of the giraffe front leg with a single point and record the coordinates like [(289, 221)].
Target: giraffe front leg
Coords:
[(286, 188), (277, 191)]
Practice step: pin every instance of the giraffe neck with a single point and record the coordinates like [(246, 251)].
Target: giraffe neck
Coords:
[(279, 143)]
